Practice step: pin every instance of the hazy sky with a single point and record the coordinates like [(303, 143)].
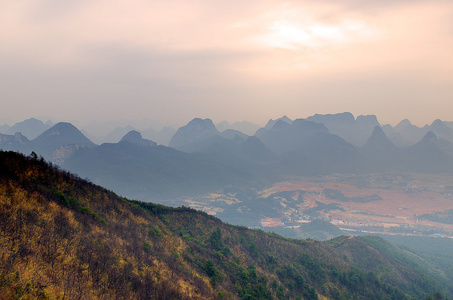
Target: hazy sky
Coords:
[(227, 60)]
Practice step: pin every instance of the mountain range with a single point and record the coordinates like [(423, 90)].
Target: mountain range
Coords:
[(200, 158)]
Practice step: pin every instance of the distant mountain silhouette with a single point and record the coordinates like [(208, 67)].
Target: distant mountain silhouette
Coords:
[(55, 144), (367, 122), (16, 142), (354, 131), (216, 144), (441, 130), (284, 137), (322, 153), (137, 167), (427, 156), (117, 134), (232, 134), (406, 134), (254, 149), (135, 137), (245, 127), (161, 137), (378, 142), (271, 122), (224, 125), (380, 153), (344, 118), (31, 128), (196, 131)]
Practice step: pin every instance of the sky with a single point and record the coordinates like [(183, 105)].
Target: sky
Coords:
[(173, 60)]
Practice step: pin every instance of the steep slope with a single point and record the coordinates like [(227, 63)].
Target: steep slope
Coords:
[(62, 237)]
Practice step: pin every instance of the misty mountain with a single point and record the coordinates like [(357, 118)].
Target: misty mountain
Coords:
[(158, 172), (229, 146), (271, 122), (322, 153), (245, 127), (232, 134), (430, 155), (196, 131), (137, 167), (216, 144), (116, 134), (113, 130), (16, 142), (406, 134), (4, 129), (441, 130), (449, 124), (224, 125), (354, 131), (55, 144), (378, 142), (410, 133), (246, 152), (379, 152), (30, 128), (135, 137), (203, 137), (59, 142), (254, 149), (427, 156), (161, 137), (284, 137)]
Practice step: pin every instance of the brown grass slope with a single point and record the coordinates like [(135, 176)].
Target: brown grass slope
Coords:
[(64, 238)]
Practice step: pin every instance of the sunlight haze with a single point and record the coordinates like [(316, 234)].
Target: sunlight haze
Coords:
[(175, 60)]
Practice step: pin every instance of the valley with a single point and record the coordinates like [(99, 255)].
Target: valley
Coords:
[(404, 204)]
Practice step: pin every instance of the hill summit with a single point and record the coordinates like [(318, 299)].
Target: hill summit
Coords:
[(135, 137)]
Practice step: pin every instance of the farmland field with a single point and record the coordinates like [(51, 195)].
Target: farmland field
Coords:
[(409, 204)]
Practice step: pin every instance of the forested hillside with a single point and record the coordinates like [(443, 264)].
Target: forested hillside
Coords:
[(64, 238)]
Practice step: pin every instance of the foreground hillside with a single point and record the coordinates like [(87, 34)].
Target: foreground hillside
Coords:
[(63, 237)]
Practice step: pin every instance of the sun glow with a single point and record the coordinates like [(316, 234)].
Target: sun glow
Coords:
[(303, 41), (313, 35)]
